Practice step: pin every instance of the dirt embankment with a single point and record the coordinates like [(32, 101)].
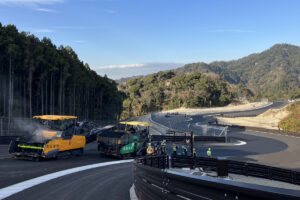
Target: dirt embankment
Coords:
[(230, 107), (269, 119)]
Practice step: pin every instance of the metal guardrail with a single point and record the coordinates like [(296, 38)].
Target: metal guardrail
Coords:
[(152, 182), (236, 167), (184, 138)]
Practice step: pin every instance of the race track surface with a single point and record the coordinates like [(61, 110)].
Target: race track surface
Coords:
[(114, 182), (14, 171), (258, 147), (110, 182)]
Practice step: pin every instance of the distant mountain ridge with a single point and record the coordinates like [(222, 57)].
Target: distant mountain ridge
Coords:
[(272, 73), (125, 79)]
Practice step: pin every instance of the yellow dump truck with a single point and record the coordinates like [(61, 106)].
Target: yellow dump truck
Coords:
[(53, 135)]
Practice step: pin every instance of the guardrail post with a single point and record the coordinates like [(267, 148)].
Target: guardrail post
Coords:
[(166, 161), (246, 169), (193, 162), (170, 162), (1, 125)]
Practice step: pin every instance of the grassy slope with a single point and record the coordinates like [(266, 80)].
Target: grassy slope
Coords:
[(292, 122)]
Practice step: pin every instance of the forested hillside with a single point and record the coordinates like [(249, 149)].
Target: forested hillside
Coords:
[(274, 73), (166, 90), (36, 78)]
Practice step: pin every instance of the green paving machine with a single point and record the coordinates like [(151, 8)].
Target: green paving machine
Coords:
[(125, 140)]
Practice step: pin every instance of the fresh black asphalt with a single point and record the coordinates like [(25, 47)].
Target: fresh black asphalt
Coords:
[(255, 144), (110, 182), (14, 171), (114, 182)]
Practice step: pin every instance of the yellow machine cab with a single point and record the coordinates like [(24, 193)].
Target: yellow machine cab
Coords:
[(53, 135)]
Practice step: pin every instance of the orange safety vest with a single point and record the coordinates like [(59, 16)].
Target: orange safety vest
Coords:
[(150, 150)]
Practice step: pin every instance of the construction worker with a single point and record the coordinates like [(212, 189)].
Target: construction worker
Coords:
[(194, 153), (156, 148), (208, 152), (185, 150), (150, 149), (174, 150), (163, 147)]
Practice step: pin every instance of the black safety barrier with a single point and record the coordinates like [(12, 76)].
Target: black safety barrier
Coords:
[(152, 182), (236, 167), (170, 138)]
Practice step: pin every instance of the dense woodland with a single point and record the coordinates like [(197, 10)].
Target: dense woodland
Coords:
[(166, 90), (36, 78), (274, 73)]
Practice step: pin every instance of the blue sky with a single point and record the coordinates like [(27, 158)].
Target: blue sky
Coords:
[(122, 38)]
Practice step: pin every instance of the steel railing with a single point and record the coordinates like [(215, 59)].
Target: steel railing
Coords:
[(153, 180)]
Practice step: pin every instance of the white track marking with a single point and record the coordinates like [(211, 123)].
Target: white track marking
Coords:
[(240, 143), (132, 193), (189, 119), (13, 189)]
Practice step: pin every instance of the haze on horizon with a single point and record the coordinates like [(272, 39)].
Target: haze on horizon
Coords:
[(126, 38)]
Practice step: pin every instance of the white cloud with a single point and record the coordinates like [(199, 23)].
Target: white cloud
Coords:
[(128, 70), (230, 31), (30, 2), (79, 41), (71, 27), (42, 30), (120, 66), (52, 29), (44, 10)]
